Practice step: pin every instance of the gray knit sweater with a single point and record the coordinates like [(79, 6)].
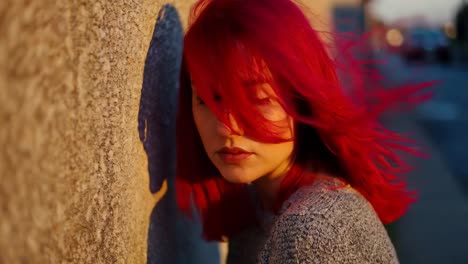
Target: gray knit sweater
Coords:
[(316, 225)]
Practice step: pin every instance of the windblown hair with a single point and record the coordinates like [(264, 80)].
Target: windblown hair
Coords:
[(232, 44)]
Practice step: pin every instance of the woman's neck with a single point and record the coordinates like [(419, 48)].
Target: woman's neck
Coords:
[(268, 186)]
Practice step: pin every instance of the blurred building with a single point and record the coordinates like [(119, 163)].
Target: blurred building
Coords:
[(461, 26), (339, 15)]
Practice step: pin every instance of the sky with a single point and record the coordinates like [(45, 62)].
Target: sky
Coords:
[(438, 11)]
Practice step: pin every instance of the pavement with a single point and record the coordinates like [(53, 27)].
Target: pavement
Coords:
[(435, 229)]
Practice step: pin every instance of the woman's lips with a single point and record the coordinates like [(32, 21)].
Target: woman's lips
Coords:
[(233, 155)]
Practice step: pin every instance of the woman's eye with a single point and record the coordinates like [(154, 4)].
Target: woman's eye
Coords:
[(200, 101), (216, 98)]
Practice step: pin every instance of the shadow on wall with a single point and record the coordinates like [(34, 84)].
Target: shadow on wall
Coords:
[(171, 238)]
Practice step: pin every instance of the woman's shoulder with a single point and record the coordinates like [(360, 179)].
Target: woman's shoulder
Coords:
[(326, 197), (329, 202), (328, 222)]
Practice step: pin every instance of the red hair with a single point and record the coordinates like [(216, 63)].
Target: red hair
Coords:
[(231, 44)]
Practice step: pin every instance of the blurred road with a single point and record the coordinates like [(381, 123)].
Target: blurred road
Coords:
[(445, 117), (435, 229)]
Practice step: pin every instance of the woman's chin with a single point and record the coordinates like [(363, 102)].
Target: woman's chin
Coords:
[(235, 178)]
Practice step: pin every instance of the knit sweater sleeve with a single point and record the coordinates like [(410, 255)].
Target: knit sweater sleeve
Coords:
[(344, 229)]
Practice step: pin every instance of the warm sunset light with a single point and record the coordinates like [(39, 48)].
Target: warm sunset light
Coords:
[(450, 31), (394, 38)]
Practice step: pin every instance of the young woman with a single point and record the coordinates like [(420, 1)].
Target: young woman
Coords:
[(275, 154)]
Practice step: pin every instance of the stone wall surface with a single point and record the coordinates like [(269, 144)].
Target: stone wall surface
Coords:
[(73, 174)]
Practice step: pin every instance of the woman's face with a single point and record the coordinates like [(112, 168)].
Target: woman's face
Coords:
[(239, 158)]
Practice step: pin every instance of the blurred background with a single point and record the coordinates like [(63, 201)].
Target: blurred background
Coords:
[(424, 40), (74, 178)]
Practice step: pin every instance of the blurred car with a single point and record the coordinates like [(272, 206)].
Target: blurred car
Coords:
[(426, 45)]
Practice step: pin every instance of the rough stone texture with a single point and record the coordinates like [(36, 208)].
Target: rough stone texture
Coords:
[(74, 180)]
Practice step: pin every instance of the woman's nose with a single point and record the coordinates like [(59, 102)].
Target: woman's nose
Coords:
[(224, 129)]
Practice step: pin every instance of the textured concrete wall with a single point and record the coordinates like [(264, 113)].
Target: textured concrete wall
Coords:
[(74, 183)]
